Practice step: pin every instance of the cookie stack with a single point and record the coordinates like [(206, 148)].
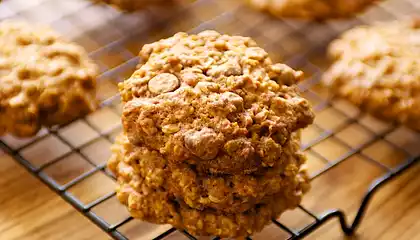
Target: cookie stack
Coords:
[(211, 136)]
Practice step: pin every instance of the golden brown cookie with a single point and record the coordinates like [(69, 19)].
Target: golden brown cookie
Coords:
[(378, 68), (312, 9), (211, 136), (226, 206), (213, 101), (223, 193), (44, 79)]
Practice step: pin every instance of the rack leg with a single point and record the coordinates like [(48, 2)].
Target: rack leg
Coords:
[(351, 229), (379, 183)]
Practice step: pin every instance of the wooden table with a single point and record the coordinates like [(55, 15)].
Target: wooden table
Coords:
[(30, 210)]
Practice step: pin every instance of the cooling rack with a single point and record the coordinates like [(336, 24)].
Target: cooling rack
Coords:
[(71, 159)]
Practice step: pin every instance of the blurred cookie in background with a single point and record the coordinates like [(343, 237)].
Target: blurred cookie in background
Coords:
[(312, 9), (378, 68), (133, 5), (45, 79)]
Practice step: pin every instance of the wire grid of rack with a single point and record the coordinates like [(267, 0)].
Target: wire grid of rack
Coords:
[(71, 159)]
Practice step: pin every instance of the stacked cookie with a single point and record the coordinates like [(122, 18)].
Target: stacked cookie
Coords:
[(211, 136)]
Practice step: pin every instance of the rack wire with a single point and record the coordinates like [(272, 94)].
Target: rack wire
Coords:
[(71, 159)]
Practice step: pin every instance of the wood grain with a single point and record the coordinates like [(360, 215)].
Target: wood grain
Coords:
[(31, 211)]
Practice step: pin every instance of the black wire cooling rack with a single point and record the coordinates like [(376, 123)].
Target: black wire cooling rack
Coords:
[(71, 159)]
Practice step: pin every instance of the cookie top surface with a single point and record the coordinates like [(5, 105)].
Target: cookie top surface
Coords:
[(312, 9), (44, 78), (377, 68), (213, 98)]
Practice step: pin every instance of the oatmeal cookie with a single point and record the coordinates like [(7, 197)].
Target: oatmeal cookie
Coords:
[(44, 79), (378, 69), (223, 193), (213, 101), (312, 9), (144, 180)]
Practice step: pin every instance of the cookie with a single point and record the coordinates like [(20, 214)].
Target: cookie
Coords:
[(211, 136), (213, 101), (312, 9), (146, 187), (377, 68), (221, 193), (45, 80)]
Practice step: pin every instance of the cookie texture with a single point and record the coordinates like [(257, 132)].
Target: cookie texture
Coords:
[(377, 68), (213, 101), (44, 79), (225, 206), (222, 193), (211, 136), (312, 9)]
